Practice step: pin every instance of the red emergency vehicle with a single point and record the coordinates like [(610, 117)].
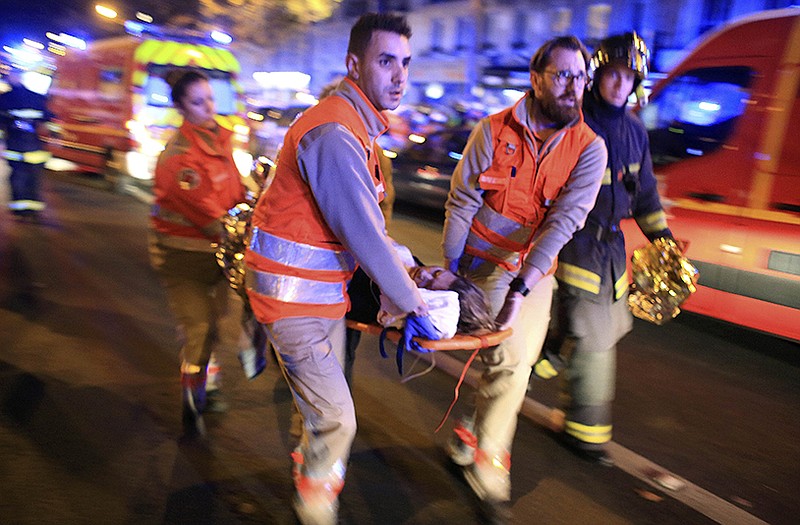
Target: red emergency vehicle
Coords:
[(112, 107), (724, 130)]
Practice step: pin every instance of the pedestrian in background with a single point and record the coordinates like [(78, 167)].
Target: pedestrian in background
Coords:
[(316, 221), (22, 113), (591, 301), (527, 180), (196, 182)]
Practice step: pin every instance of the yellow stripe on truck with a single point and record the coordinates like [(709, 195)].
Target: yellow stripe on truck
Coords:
[(146, 50), (165, 54)]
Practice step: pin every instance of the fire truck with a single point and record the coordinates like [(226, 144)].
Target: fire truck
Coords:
[(724, 138), (112, 108)]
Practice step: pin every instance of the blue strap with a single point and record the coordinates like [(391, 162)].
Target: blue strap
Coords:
[(381, 341), (398, 355)]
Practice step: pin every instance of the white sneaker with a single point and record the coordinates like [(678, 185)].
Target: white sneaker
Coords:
[(315, 511), (461, 445), (490, 476), (316, 500)]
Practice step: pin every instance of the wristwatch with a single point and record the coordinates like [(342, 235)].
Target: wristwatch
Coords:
[(518, 285)]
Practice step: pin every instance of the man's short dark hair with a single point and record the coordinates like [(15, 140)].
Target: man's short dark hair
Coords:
[(541, 59), (361, 33)]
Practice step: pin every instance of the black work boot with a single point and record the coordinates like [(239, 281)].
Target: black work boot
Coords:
[(592, 454), (194, 403)]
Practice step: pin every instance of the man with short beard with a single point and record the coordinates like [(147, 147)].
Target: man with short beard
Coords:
[(528, 178)]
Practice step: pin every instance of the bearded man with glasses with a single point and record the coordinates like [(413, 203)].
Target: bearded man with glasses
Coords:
[(528, 178)]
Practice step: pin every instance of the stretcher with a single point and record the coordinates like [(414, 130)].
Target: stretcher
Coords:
[(457, 342), (475, 343)]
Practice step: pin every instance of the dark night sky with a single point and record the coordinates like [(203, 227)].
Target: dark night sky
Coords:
[(33, 18)]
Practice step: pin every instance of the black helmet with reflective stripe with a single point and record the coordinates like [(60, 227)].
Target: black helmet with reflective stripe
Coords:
[(628, 49)]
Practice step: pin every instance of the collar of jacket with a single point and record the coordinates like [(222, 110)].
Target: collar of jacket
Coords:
[(210, 141), (375, 121), (595, 106), (523, 110)]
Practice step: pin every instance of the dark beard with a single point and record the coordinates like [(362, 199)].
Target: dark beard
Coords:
[(559, 115)]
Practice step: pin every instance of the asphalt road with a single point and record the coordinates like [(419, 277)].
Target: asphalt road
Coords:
[(89, 407)]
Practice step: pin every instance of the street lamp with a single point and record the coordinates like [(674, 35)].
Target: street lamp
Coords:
[(105, 11)]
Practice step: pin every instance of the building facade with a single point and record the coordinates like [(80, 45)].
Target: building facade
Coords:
[(464, 47)]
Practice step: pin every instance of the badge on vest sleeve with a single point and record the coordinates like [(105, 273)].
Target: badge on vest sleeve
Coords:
[(188, 179)]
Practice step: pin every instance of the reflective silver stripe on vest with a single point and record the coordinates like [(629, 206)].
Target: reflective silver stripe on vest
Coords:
[(170, 216), (503, 226), (294, 289), (299, 255), (508, 256)]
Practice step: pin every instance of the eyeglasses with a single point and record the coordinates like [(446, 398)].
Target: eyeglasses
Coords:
[(562, 78)]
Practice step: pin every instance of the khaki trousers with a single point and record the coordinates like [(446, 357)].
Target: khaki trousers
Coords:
[(208, 312), (310, 352), (503, 385)]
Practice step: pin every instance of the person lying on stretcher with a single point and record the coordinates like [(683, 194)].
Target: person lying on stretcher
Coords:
[(455, 304)]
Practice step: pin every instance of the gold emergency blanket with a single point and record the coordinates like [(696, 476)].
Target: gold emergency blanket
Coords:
[(233, 243), (236, 231), (662, 279)]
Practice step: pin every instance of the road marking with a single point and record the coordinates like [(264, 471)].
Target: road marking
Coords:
[(138, 193), (695, 497), (641, 468)]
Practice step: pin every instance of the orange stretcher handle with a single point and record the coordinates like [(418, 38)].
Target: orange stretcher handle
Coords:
[(457, 342)]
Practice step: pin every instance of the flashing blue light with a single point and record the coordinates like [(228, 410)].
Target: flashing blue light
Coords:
[(454, 155), (68, 40), (134, 28), (220, 37), (708, 106)]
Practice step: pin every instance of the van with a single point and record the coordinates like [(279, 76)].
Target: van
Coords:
[(112, 108), (724, 129)]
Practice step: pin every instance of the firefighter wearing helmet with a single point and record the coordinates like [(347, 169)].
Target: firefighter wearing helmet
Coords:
[(591, 310), (23, 113)]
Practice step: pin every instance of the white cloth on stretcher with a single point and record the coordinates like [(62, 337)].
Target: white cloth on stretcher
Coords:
[(443, 306)]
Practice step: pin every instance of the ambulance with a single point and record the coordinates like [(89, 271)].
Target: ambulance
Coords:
[(112, 108), (724, 129)]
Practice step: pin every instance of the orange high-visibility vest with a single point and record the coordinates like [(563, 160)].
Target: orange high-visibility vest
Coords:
[(196, 183), (518, 191), (296, 267)]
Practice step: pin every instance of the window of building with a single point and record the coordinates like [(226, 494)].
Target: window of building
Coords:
[(465, 33), (715, 13), (561, 21), (489, 32), (437, 34), (597, 16), (520, 40)]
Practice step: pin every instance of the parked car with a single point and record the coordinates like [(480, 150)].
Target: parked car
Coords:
[(268, 127), (422, 171)]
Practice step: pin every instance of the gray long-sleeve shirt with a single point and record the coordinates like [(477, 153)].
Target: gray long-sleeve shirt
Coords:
[(565, 216), (334, 164)]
